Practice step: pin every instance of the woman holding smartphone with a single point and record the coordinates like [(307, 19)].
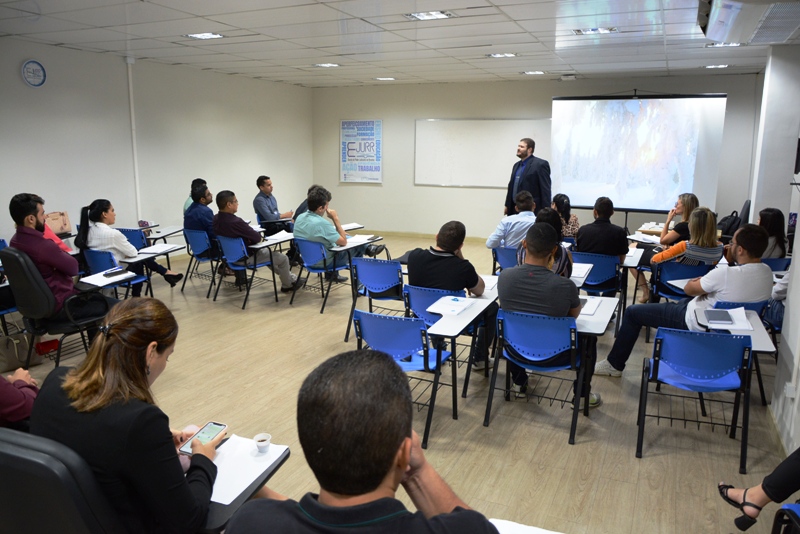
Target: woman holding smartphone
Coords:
[(104, 411)]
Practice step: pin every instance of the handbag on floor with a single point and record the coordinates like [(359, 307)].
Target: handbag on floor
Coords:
[(14, 350)]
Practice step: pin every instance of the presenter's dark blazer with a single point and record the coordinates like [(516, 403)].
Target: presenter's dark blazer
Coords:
[(535, 180)]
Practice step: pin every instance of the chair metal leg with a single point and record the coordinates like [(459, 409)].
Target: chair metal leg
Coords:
[(249, 284), (213, 277), (30, 351), (759, 379), (735, 416), (576, 405), (432, 401), (219, 284), (294, 290), (702, 404), (5, 325), (58, 352), (470, 361), (491, 391), (454, 383), (642, 409), (325, 299), (188, 272), (745, 428)]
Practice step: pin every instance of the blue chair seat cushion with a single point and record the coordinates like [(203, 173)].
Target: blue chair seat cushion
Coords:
[(417, 363), (559, 362), (685, 380)]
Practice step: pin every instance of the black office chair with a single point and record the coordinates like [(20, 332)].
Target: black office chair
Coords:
[(47, 487), (37, 305)]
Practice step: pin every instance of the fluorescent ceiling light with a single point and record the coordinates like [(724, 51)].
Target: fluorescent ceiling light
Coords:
[(429, 15), (326, 65), (722, 45), (204, 36), (507, 54), (594, 31), (532, 72), (716, 66), (385, 79)]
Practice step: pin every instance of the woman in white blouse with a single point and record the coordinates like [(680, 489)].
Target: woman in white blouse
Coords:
[(96, 233)]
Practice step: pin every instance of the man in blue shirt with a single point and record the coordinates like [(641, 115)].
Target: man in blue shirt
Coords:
[(512, 230), (266, 205), (200, 217)]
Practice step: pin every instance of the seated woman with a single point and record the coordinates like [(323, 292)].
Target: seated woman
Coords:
[(684, 206), (104, 411), (702, 248), (562, 260), (776, 487), (96, 233), (569, 221), (772, 219)]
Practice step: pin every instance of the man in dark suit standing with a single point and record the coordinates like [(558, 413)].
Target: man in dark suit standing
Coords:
[(530, 174)]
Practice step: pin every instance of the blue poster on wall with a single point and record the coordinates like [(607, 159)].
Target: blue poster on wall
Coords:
[(361, 151)]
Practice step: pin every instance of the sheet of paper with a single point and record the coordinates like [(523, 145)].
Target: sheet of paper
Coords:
[(489, 281), (360, 239), (509, 527), (283, 234), (101, 281), (450, 305), (159, 248), (238, 464), (644, 238), (590, 306), (351, 226), (740, 321), (580, 270)]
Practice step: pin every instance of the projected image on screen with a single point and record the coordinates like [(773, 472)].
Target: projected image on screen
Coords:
[(642, 153)]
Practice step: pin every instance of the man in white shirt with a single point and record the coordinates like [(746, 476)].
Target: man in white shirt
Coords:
[(512, 230), (748, 280)]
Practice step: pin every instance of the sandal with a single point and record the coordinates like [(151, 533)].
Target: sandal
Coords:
[(744, 521)]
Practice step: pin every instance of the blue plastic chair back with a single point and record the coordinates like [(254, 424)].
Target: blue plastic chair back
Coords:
[(758, 307), (604, 267), (570, 241), (418, 299), (378, 276), (699, 361), (312, 254), (537, 337), (135, 236), (506, 257), (3, 244), (777, 264), (233, 250), (99, 260), (672, 270), (198, 242)]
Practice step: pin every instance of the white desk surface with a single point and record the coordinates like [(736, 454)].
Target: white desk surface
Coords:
[(759, 337), (597, 323), (165, 232), (276, 239), (99, 280), (580, 280), (352, 226), (352, 245), (453, 325), (644, 238), (632, 257), (145, 256)]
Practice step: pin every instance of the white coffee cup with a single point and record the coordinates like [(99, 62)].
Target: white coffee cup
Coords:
[(262, 441)]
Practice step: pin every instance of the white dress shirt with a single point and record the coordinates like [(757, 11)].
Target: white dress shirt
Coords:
[(103, 237)]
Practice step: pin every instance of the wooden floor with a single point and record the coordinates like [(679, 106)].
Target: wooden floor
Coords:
[(244, 368)]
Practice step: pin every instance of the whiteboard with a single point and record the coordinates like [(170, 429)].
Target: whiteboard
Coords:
[(473, 153)]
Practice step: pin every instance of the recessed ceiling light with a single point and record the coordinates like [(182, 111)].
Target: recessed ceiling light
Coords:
[(532, 72), (507, 54), (204, 36), (722, 45), (326, 65), (594, 31), (385, 79), (429, 15), (716, 66)]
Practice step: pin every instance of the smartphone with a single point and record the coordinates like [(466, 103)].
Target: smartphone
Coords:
[(717, 317), (114, 272), (205, 434)]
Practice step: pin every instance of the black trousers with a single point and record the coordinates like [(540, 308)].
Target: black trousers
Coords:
[(784, 480)]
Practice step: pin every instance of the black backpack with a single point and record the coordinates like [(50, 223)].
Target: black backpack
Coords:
[(730, 223)]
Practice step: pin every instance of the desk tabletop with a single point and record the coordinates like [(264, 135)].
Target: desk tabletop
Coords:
[(759, 337), (453, 325), (580, 280), (351, 243), (632, 257), (165, 232)]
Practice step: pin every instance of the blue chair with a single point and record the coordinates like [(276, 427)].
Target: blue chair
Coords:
[(777, 264), (103, 260), (419, 299), (605, 278), (135, 236), (503, 258), (314, 253), (406, 340), (378, 280), (530, 340), (759, 307), (570, 241), (787, 519), (233, 250), (200, 251), (5, 311), (701, 362)]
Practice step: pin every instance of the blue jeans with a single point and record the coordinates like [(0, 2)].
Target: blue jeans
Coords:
[(666, 314)]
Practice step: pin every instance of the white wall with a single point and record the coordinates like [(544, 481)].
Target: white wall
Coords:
[(71, 142), (398, 204)]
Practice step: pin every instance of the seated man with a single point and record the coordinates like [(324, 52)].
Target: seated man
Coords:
[(603, 237), (266, 206), (354, 416), (56, 266), (303, 207), (195, 183), (444, 267), (312, 226), (200, 217), (227, 224), (533, 288), (17, 393), (747, 281), (511, 230)]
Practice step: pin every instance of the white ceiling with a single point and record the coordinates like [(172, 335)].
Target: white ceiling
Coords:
[(282, 40)]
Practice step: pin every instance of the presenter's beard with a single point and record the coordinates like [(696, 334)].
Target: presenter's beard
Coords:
[(39, 226)]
